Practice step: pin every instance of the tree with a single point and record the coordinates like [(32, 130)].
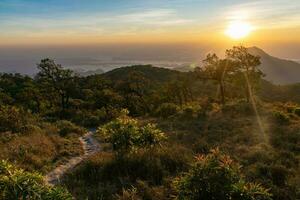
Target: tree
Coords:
[(216, 177), (31, 97), (13, 118), (179, 91), (60, 80), (134, 89), (247, 67), (218, 70), (107, 99)]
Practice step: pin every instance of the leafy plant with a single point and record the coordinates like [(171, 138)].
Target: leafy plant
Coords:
[(12, 119), (67, 127), (280, 117), (297, 111), (166, 110), (150, 136), (125, 134), (216, 176), (18, 184)]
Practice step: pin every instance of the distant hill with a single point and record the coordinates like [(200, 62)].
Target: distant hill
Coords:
[(278, 71), (155, 74), (186, 68), (84, 73), (284, 93)]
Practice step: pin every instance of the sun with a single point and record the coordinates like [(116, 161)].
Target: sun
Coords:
[(238, 29)]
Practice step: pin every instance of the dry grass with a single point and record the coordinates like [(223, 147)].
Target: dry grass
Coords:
[(38, 150)]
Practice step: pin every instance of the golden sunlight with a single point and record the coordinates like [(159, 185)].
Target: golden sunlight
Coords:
[(238, 29)]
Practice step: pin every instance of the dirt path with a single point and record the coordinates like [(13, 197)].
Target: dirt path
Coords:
[(90, 146)]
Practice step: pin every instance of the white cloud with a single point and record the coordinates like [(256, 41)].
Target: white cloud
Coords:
[(267, 13), (95, 23)]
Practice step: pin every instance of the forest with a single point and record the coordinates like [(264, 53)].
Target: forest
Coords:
[(219, 132)]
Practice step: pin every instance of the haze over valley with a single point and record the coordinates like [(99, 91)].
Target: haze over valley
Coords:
[(182, 57)]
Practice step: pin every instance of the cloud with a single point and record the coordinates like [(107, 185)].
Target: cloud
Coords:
[(267, 13), (145, 20), (160, 17)]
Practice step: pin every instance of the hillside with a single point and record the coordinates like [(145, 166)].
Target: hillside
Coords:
[(157, 129), (278, 71), (84, 73), (149, 72)]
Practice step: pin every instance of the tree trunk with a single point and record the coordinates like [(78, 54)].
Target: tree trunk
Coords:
[(248, 87), (222, 92)]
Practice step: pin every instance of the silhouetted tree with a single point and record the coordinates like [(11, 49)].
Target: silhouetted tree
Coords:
[(218, 70), (247, 67), (58, 79)]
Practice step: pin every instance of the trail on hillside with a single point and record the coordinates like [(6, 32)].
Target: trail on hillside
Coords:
[(90, 146)]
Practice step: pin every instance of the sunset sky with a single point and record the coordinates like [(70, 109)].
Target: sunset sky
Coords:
[(273, 22)]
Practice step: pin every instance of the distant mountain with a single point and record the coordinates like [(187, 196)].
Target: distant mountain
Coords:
[(155, 74), (278, 71), (185, 68), (85, 73)]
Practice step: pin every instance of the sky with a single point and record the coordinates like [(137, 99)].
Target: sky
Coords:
[(275, 24)]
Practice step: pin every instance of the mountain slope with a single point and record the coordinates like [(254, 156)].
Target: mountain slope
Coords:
[(155, 74), (278, 71)]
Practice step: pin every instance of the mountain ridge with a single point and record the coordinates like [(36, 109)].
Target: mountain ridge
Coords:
[(278, 71)]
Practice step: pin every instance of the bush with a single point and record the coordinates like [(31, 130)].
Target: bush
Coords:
[(216, 176), (129, 194), (191, 111), (201, 146), (122, 133), (297, 111), (166, 110), (277, 174), (150, 136), (280, 117), (67, 127), (18, 184), (125, 134), (240, 107), (104, 174), (12, 119), (142, 191), (86, 118)]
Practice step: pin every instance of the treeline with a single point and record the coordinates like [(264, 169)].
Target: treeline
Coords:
[(58, 93)]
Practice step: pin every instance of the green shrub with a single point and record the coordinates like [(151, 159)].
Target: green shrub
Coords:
[(191, 111), (201, 146), (18, 184), (150, 136), (280, 117), (297, 111), (276, 174), (12, 119), (85, 118), (216, 176), (166, 110), (125, 134), (105, 174), (240, 107), (122, 133), (143, 191), (129, 194), (67, 127)]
